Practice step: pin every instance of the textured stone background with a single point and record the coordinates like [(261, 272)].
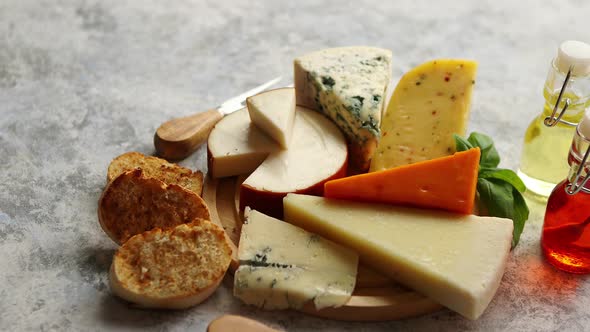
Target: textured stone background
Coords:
[(83, 81)]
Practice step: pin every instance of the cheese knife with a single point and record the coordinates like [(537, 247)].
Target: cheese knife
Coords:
[(178, 138)]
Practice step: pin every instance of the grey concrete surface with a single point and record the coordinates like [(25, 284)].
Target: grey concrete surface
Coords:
[(83, 81)]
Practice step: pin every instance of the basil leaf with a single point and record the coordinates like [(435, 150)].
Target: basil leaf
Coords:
[(489, 154), (461, 144), (498, 190), (503, 174), (521, 214), (502, 200), (496, 195)]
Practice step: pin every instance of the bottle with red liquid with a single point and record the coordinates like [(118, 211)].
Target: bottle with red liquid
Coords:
[(566, 231)]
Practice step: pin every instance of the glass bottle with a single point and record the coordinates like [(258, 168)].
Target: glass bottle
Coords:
[(565, 239), (544, 152)]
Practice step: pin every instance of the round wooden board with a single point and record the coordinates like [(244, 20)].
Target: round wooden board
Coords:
[(374, 299)]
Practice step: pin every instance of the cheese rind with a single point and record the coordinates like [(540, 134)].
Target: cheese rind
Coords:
[(273, 112), (348, 84), (456, 260), (430, 104), (317, 153), (235, 146), (317, 142), (282, 266)]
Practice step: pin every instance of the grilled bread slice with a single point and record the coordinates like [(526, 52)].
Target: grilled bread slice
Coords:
[(158, 168), (171, 269), (133, 203)]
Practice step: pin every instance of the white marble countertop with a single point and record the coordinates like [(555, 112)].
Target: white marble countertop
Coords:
[(83, 81)]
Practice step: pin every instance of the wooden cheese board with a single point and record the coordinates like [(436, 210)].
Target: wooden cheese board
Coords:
[(375, 297)]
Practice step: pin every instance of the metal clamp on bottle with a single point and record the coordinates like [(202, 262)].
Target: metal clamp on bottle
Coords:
[(573, 56), (552, 120), (579, 168)]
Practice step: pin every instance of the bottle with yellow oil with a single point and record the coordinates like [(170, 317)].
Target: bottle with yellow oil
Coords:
[(547, 139)]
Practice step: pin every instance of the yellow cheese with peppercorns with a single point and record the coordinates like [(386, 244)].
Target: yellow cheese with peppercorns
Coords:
[(430, 104)]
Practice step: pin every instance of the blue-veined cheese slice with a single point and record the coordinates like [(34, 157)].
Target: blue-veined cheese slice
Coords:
[(348, 84), (283, 266)]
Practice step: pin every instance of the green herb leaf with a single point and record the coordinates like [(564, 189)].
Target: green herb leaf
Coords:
[(521, 215), (461, 144), (496, 195), (504, 201), (498, 190), (489, 154), (507, 175)]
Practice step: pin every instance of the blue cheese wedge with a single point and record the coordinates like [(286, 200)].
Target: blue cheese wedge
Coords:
[(283, 266), (348, 85)]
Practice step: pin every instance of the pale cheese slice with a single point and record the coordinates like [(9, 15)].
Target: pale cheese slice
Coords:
[(317, 152), (430, 104), (235, 146), (273, 112), (282, 266), (457, 260)]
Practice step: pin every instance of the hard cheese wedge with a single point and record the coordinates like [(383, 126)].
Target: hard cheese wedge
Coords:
[(283, 266), (446, 183), (349, 85), (430, 104), (273, 112), (316, 154), (235, 146), (456, 260)]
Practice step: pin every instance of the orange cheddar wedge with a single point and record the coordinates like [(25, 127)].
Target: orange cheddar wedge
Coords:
[(446, 183)]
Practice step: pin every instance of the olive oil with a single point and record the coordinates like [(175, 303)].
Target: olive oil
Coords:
[(545, 149), (544, 156)]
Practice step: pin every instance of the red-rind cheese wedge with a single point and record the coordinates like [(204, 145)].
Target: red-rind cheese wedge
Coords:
[(447, 183), (317, 153), (271, 202)]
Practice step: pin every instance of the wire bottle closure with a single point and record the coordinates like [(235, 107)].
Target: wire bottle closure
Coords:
[(552, 120)]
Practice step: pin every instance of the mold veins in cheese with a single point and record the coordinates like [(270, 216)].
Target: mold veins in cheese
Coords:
[(347, 84), (430, 104), (317, 154), (282, 266), (273, 112), (456, 260), (236, 146)]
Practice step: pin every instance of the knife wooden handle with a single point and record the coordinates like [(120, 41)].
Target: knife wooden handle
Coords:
[(179, 138), (233, 323)]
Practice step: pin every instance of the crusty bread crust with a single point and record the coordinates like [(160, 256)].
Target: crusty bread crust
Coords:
[(171, 269), (133, 203), (158, 168)]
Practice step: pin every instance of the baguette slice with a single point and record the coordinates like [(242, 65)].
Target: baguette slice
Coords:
[(171, 269), (158, 168), (133, 203)]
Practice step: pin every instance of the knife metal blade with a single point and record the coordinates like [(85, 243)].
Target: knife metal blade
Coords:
[(238, 102), (176, 139)]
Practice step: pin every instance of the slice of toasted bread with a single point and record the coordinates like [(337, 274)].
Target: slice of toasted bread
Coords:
[(171, 269), (133, 203), (158, 168)]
